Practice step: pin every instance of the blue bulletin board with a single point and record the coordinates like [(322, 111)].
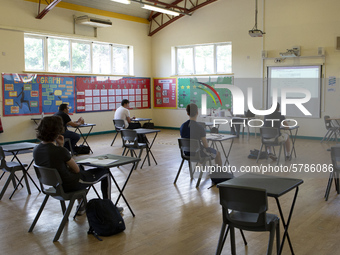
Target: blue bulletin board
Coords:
[(30, 94)]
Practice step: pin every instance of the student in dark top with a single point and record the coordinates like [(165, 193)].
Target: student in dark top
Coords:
[(74, 137), (193, 130), (278, 117), (51, 153)]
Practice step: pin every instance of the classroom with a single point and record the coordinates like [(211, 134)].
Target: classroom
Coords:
[(166, 212)]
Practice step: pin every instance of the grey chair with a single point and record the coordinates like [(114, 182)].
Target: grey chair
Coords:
[(190, 151), (11, 168), (269, 137), (119, 125), (334, 175), (246, 208), (68, 141), (331, 130), (51, 185), (130, 144)]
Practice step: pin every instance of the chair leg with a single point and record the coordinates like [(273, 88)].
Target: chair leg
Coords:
[(38, 214), (278, 159), (232, 240), (258, 156), (114, 138), (278, 240), (63, 206), (191, 170), (179, 171), (124, 151), (139, 156), (329, 185), (10, 178), (220, 240), (271, 239), (243, 237), (200, 176), (63, 222), (325, 136)]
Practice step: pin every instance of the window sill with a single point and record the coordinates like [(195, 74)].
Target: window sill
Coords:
[(87, 74)]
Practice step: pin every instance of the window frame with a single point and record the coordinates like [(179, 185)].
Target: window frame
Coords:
[(129, 60), (193, 47)]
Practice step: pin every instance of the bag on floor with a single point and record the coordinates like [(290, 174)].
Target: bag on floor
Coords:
[(254, 153), (104, 218), (149, 125), (220, 176), (82, 149)]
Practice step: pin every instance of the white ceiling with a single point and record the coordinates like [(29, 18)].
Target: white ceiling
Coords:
[(132, 9)]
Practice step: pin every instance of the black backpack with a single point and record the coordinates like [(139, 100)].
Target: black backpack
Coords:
[(104, 218), (82, 149)]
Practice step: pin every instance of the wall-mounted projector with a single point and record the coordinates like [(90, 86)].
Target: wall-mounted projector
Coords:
[(93, 22), (256, 33), (291, 53)]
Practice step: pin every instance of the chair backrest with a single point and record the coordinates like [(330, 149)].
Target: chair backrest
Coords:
[(269, 135), (49, 177), (328, 122), (190, 149), (119, 124), (2, 158), (244, 205), (130, 138), (335, 156)]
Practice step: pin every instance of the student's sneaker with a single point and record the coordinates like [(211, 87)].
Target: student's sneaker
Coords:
[(81, 210), (272, 156), (120, 209)]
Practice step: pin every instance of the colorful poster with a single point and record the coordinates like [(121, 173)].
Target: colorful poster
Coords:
[(191, 89), (99, 93), (30, 94), (165, 93)]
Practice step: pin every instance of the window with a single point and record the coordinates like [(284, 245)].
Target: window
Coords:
[(34, 53), (64, 55), (101, 58), (203, 59), (81, 57)]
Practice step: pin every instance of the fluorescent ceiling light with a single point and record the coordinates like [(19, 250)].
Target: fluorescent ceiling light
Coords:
[(158, 9), (122, 1)]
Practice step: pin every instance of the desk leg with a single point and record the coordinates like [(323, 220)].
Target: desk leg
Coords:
[(293, 138), (85, 138), (121, 190), (24, 175), (288, 221), (227, 156), (149, 149)]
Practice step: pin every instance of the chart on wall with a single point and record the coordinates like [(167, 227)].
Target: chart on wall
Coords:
[(165, 93), (106, 93), (191, 89), (29, 94)]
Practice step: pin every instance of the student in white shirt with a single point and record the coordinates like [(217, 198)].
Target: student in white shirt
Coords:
[(122, 113)]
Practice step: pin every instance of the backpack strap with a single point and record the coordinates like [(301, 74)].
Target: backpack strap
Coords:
[(92, 232)]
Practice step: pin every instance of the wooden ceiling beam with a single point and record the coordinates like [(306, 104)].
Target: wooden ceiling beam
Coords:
[(48, 8)]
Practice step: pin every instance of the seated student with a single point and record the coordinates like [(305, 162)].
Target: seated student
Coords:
[(123, 113), (193, 130), (278, 117), (74, 137), (236, 124), (51, 153)]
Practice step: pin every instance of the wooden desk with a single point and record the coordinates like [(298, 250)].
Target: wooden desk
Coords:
[(214, 138), (119, 161), (144, 131), (275, 187), (15, 148), (86, 135)]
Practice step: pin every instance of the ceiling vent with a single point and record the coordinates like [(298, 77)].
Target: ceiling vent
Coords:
[(93, 22)]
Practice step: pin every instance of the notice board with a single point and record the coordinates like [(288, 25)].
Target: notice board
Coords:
[(190, 90), (99, 93), (165, 93), (29, 94)]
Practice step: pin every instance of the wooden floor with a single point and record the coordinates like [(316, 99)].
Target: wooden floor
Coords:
[(174, 219)]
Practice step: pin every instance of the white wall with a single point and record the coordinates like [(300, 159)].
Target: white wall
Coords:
[(20, 15), (306, 23)]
